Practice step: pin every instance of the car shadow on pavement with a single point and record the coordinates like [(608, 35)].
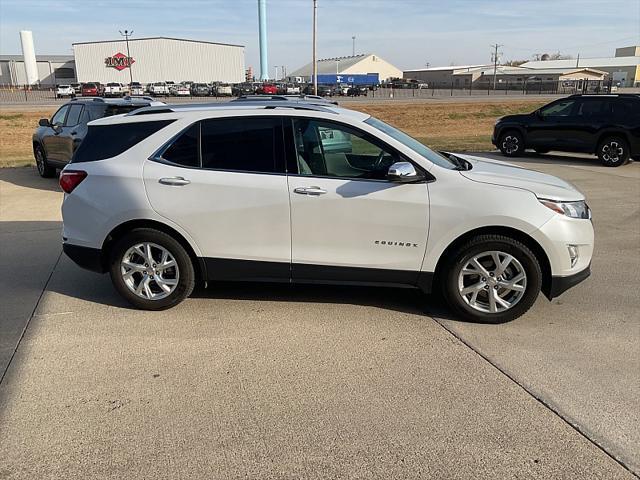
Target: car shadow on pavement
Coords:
[(28, 177), (403, 300), (70, 280)]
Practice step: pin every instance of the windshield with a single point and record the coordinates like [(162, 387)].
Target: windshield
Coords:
[(411, 143)]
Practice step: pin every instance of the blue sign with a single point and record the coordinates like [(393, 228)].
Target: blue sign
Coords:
[(352, 79)]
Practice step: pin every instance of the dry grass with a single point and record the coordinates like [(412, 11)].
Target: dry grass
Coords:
[(447, 126), (16, 129)]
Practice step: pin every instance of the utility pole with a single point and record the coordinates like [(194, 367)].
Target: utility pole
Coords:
[(578, 61), (315, 45), (276, 77), (353, 47), (495, 63), (126, 34)]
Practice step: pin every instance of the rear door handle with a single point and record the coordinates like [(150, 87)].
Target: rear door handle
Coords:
[(174, 181), (309, 191)]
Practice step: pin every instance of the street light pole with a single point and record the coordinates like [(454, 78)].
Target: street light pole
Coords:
[(353, 47), (126, 34), (315, 45), (276, 77)]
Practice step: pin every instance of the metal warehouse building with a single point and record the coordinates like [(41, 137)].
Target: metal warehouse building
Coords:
[(352, 65), (158, 59), (52, 69)]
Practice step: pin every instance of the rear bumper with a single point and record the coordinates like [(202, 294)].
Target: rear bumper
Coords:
[(559, 285), (85, 257)]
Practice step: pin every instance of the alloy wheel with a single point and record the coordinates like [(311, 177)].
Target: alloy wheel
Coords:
[(510, 144), (492, 282), (40, 161), (150, 271), (612, 151)]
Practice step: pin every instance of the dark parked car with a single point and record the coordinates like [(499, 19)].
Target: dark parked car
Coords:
[(606, 125), (357, 91), (243, 89), (200, 90), (56, 139), (323, 90)]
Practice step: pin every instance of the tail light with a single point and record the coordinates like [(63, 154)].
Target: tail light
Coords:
[(70, 179)]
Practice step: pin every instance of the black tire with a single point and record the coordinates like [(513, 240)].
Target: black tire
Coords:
[(511, 143), (186, 277), (44, 169), (613, 151), (476, 246)]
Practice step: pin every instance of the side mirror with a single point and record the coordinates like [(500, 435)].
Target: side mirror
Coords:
[(44, 122), (403, 172)]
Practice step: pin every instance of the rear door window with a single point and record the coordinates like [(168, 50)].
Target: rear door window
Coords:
[(592, 107), (248, 144), (184, 149)]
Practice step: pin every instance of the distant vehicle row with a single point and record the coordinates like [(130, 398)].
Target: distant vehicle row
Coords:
[(195, 89)]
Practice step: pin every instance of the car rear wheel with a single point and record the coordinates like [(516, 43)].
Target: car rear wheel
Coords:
[(492, 279), (511, 143), (151, 269), (613, 152), (44, 169)]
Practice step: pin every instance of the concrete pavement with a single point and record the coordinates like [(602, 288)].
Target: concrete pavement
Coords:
[(259, 381)]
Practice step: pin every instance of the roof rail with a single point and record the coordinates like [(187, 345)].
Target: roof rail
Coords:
[(290, 98), (93, 99), (235, 105)]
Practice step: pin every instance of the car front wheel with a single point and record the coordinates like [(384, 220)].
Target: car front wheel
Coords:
[(151, 269), (44, 169), (613, 152), (492, 279), (511, 143)]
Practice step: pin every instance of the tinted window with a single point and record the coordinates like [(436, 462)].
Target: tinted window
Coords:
[(106, 141), (626, 107), (558, 109), (246, 144), (99, 111), (592, 107), (184, 150), (58, 118), (74, 115), (334, 150)]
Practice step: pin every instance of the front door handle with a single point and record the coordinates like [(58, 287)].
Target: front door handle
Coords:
[(309, 191), (174, 181)]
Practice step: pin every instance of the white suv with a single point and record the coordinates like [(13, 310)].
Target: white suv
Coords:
[(304, 191)]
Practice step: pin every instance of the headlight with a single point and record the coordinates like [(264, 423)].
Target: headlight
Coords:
[(569, 209)]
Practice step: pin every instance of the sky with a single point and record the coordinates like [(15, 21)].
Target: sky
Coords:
[(408, 33)]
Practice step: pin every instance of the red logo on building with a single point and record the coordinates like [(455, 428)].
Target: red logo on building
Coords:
[(119, 61)]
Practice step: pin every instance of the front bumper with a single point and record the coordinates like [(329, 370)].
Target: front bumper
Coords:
[(85, 257), (559, 285)]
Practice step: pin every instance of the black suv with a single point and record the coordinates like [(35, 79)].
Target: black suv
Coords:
[(55, 140), (607, 125)]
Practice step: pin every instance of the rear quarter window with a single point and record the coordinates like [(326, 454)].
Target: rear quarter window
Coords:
[(106, 141)]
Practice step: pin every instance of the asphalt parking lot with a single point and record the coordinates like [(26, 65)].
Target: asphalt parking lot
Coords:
[(262, 381)]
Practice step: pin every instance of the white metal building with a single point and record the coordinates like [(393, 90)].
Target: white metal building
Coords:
[(52, 69), (159, 59), (351, 65), (624, 68)]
